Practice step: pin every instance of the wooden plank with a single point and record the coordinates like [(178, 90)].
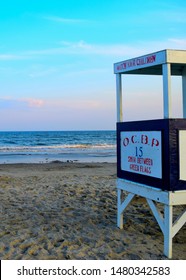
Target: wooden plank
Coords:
[(119, 213), (126, 202), (168, 231), (176, 56), (144, 191), (180, 221), (158, 216), (177, 198), (140, 62)]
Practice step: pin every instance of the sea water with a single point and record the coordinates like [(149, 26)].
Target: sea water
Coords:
[(47, 146)]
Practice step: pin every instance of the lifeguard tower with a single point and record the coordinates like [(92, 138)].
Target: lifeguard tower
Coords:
[(151, 154)]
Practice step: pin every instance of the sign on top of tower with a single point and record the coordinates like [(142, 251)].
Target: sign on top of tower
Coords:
[(151, 63)]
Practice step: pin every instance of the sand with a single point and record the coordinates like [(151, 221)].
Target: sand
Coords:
[(68, 211)]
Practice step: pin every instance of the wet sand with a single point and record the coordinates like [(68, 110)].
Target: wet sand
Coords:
[(68, 211)]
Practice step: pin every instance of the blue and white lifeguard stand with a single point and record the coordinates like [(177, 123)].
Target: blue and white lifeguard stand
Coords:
[(151, 154)]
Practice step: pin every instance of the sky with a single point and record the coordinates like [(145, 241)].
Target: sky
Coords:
[(57, 56)]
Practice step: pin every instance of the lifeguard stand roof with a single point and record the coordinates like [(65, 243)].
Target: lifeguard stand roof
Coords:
[(151, 64)]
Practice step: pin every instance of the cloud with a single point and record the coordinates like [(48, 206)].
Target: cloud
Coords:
[(113, 50), (64, 20), (181, 43), (83, 48), (76, 104), (20, 103), (122, 49), (39, 72), (33, 102), (11, 57), (67, 104), (172, 16), (73, 48)]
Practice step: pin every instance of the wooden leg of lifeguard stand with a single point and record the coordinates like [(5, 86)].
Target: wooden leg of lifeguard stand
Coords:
[(119, 213), (122, 205), (168, 219)]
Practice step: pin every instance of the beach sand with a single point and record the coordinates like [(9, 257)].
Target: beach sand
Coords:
[(68, 211)]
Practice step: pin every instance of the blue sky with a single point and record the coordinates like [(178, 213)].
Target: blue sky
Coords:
[(56, 61)]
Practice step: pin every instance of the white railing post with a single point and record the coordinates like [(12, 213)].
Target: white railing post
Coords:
[(167, 90), (184, 91), (119, 98)]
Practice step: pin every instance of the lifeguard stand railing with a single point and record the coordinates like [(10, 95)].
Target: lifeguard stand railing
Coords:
[(151, 154)]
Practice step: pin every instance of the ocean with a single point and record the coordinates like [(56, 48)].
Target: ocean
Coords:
[(48, 146)]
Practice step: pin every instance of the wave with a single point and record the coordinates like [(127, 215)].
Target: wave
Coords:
[(88, 146), (56, 148), (9, 142), (41, 144)]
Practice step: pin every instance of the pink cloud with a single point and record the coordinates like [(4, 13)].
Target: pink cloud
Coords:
[(34, 102)]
